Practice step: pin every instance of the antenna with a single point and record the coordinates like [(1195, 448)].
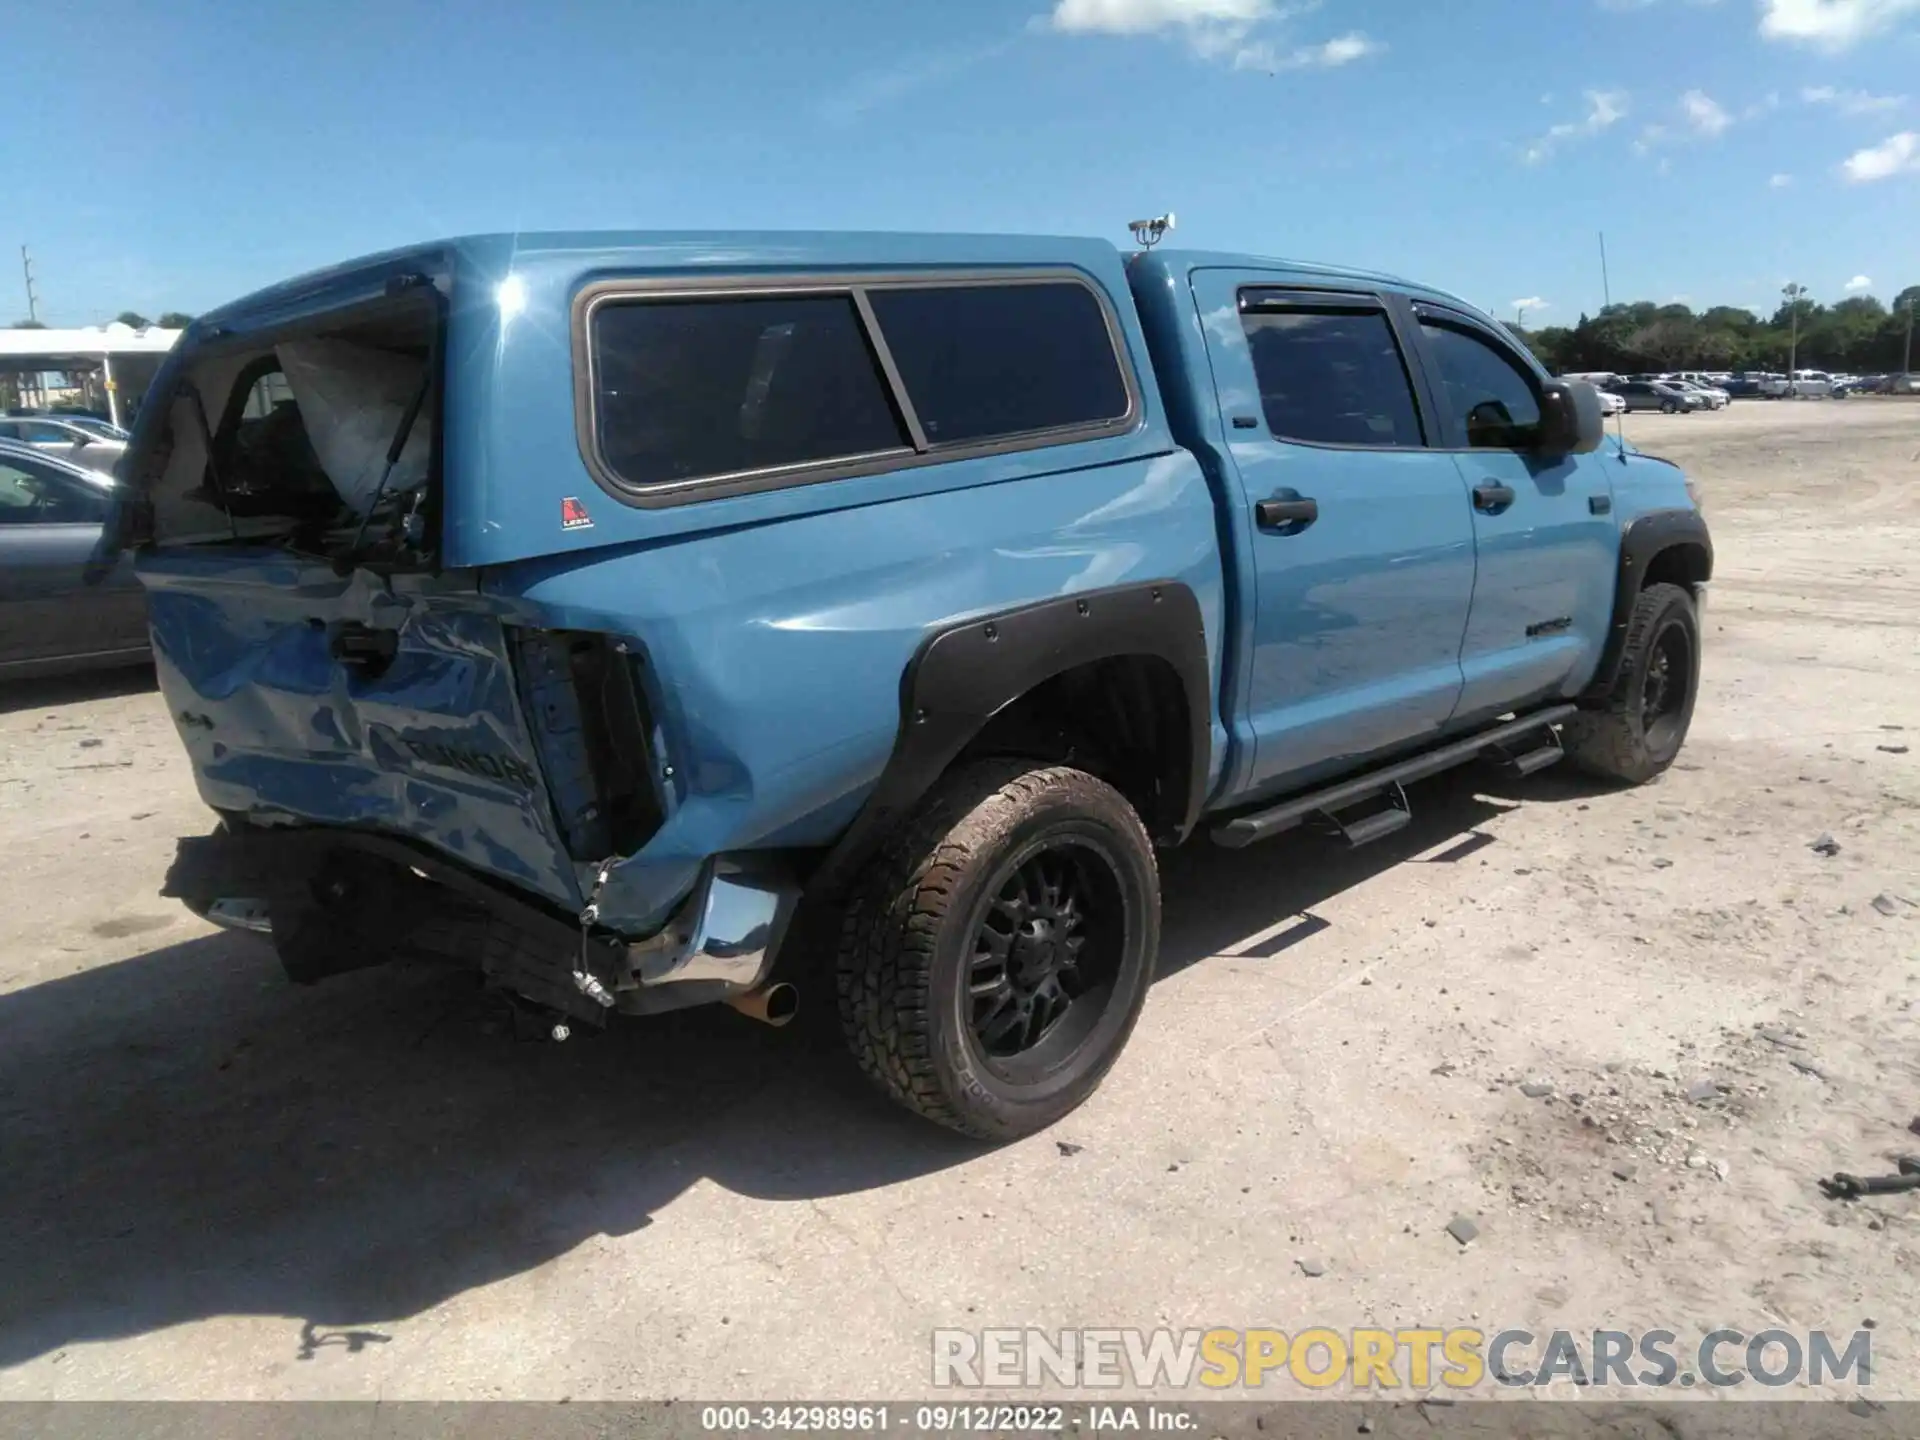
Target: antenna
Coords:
[(1148, 233)]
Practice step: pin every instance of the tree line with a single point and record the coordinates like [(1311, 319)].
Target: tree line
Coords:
[(1858, 335), (171, 320)]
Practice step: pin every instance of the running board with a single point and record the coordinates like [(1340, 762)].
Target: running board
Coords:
[(1326, 804)]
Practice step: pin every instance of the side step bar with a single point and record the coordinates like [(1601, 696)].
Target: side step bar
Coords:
[(1245, 830)]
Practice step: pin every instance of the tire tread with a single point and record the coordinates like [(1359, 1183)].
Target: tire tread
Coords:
[(893, 919)]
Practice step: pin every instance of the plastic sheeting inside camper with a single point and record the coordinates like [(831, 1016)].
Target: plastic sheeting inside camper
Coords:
[(352, 399)]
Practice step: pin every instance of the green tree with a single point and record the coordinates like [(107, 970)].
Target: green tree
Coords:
[(27, 325), (174, 320), (133, 318)]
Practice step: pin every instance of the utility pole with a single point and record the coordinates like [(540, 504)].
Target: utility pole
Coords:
[(33, 300), (1520, 317), (1794, 293), (1606, 286), (1906, 365)]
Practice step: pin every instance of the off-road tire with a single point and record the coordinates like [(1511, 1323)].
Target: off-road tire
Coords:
[(1611, 739), (906, 939)]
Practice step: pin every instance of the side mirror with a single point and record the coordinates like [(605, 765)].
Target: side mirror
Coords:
[(1571, 421)]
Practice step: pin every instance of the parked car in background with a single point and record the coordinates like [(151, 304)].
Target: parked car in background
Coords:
[(51, 620), (1742, 387), (67, 438), (1714, 398), (1807, 384), (1611, 404), (1658, 395), (94, 425)]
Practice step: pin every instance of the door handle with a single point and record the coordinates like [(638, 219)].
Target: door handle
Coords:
[(1287, 512), (1491, 498)]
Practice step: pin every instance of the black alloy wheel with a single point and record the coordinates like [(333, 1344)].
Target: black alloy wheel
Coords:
[(1044, 953)]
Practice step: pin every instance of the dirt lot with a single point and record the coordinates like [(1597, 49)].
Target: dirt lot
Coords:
[(213, 1185)]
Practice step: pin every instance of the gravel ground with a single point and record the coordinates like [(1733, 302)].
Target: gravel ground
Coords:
[(216, 1186)]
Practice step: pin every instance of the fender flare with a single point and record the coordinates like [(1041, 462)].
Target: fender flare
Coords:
[(964, 674), (1642, 540)]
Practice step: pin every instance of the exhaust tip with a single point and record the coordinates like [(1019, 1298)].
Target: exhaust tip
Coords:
[(774, 1004)]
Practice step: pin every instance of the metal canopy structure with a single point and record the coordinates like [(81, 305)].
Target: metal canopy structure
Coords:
[(124, 358)]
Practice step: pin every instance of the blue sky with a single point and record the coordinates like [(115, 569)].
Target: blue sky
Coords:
[(172, 156)]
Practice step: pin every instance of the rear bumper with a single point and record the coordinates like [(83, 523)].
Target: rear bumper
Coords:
[(722, 942)]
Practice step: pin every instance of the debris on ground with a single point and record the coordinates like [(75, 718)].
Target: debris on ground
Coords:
[(1312, 1269), (1825, 845), (1843, 1186), (1463, 1229), (1067, 1148), (1785, 1039), (1892, 749), (1701, 1091), (1536, 1089), (1886, 904)]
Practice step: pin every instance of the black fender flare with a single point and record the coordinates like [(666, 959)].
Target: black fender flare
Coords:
[(1642, 540), (963, 674)]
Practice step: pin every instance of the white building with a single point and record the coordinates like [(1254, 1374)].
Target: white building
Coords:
[(116, 361)]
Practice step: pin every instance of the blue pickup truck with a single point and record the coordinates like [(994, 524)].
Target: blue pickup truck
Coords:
[(651, 620)]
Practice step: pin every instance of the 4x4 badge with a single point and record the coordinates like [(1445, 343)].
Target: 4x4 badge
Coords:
[(573, 515)]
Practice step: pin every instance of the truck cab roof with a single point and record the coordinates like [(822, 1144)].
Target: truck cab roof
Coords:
[(580, 251)]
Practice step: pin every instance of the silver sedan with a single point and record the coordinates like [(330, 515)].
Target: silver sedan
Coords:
[(90, 444), (51, 620)]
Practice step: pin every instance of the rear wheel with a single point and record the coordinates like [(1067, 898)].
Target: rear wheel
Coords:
[(994, 963), (1667, 407), (1638, 731)]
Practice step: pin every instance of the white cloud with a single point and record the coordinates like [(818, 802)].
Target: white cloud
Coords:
[(1236, 30), (1144, 17), (1831, 24), (1779, 182), (853, 99), (1859, 282), (1895, 155), (1341, 50), (1851, 102), (1532, 302), (1605, 108), (1704, 114)]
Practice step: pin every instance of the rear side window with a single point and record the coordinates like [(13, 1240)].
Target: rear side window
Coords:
[(33, 495), (982, 362), (697, 388), (1489, 392), (1332, 377)]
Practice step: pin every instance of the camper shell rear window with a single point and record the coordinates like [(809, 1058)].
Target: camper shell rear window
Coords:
[(322, 438), (688, 390)]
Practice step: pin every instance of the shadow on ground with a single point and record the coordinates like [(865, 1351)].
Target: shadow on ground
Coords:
[(186, 1135), (52, 692)]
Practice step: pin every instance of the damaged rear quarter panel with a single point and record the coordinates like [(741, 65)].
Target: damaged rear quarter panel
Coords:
[(775, 652), (433, 747)]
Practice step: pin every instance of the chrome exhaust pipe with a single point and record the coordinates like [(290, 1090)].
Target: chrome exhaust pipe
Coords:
[(774, 1004)]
